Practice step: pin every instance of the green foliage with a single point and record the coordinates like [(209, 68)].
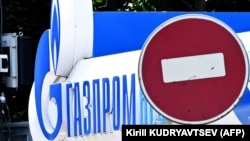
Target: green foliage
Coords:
[(96, 4), (171, 5), (123, 5), (138, 5)]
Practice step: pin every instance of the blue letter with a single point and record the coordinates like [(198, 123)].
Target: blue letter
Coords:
[(96, 105), (106, 100), (77, 110), (87, 119), (68, 88), (129, 110), (116, 103)]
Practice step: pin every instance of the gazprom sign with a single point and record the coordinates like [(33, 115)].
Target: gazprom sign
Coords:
[(86, 73)]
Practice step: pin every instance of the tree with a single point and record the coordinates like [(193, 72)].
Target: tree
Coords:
[(171, 5), (31, 18)]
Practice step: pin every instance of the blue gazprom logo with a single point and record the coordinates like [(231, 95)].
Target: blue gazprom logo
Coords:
[(42, 67), (91, 88), (95, 122), (55, 34)]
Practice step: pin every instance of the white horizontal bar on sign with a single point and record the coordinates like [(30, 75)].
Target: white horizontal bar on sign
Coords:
[(193, 67)]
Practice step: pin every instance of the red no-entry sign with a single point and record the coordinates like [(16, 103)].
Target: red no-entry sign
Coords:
[(193, 69)]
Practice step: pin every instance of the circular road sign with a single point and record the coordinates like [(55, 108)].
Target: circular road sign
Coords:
[(193, 69)]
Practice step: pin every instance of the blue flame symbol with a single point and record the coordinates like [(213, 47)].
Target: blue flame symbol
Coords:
[(42, 67), (55, 34)]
